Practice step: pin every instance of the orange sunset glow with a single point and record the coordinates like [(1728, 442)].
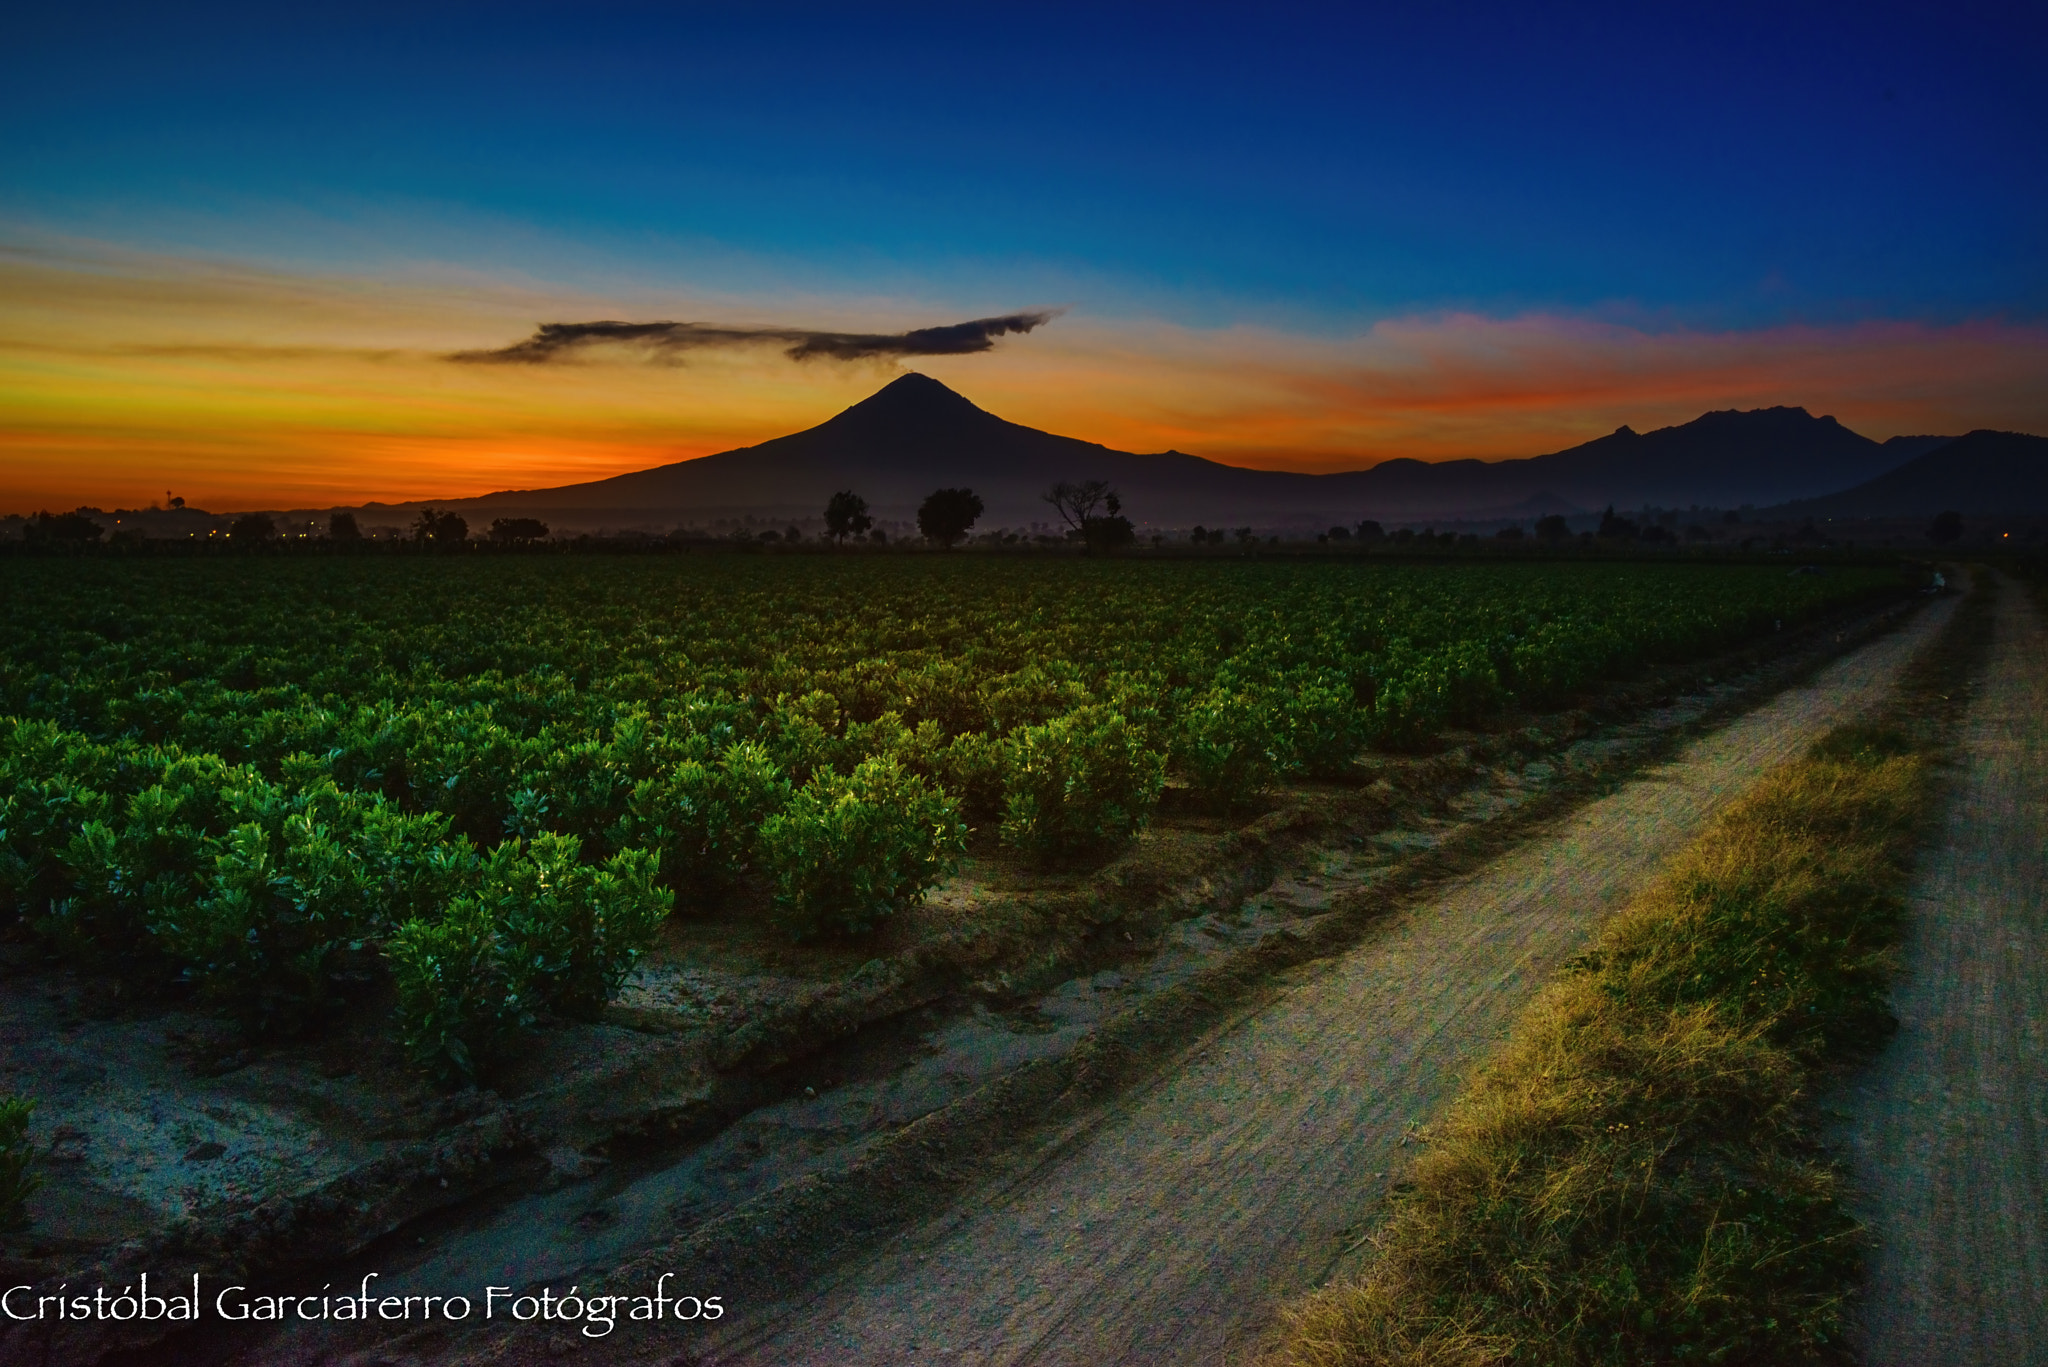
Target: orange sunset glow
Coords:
[(126, 376)]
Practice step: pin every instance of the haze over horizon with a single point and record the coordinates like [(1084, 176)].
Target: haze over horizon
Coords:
[(255, 257)]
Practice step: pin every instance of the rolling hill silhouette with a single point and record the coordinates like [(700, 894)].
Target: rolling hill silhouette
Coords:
[(916, 435), (1984, 472)]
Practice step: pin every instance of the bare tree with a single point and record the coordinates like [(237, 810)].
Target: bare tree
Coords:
[(1076, 501), (1077, 505)]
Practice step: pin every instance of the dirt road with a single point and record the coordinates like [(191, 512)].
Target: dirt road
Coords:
[(1165, 1229), (1951, 1125)]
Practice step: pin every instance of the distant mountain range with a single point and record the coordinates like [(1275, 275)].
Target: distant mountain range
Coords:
[(1984, 472), (916, 435)]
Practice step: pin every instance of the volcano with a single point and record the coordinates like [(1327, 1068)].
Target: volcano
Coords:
[(916, 435)]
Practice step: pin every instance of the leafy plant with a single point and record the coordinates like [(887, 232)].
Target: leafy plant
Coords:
[(572, 930), (1325, 728), (461, 998), (703, 819), (1230, 748), (1079, 786), (851, 851), (275, 915)]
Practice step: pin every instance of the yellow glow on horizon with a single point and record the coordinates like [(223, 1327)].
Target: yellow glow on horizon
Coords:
[(122, 376)]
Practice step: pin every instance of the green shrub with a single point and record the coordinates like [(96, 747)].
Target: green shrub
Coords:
[(1038, 692), (572, 930), (263, 916), (703, 818), (806, 732), (460, 998), (1325, 729), (18, 1175), (276, 913), (849, 851), (37, 820), (1229, 747), (1078, 786), (971, 768)]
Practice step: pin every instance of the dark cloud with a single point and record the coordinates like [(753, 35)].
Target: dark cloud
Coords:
[(554, 341)]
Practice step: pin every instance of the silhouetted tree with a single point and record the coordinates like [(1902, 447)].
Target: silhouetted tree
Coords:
[(846, 514), (1612, 527), (946, 515), (74, 529), (1508, 534), (1370, 530), (253, 527), (1077, 504), (1112, 530), (517, 531), (439, 529), (342, 527), (1076, 500), (1339, 533), (1945, 528), (1553, 528)]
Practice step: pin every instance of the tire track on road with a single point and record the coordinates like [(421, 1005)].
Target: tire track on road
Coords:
[(1950, 1131)]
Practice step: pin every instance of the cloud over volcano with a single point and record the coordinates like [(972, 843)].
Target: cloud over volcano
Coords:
[(663, 341)]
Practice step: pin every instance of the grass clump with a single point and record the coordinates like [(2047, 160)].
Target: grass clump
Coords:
[(18, 1175), (1635, 1178)]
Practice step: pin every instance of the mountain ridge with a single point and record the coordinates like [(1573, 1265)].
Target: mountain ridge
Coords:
[(916, 434), (1982, 472)]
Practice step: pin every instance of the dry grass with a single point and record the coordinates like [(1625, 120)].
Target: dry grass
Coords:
[(1634, 1180)]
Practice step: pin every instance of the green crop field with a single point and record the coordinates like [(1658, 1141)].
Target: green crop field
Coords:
[(487, 781)]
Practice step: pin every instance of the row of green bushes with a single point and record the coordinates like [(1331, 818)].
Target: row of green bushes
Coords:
[(516, 701), (269, 901), (269, 789), (479, 764)]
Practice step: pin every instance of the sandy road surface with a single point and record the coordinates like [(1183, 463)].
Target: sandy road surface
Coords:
[(1164, 1229), (1950, 1137)]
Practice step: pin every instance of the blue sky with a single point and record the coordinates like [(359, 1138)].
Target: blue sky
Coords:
[(1310, 165), (1304, 172)]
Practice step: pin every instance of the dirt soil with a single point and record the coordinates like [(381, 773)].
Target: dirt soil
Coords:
[(1950, 1125), (1167, 1227)]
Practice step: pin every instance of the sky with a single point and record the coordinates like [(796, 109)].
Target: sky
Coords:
[(243, 248)]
